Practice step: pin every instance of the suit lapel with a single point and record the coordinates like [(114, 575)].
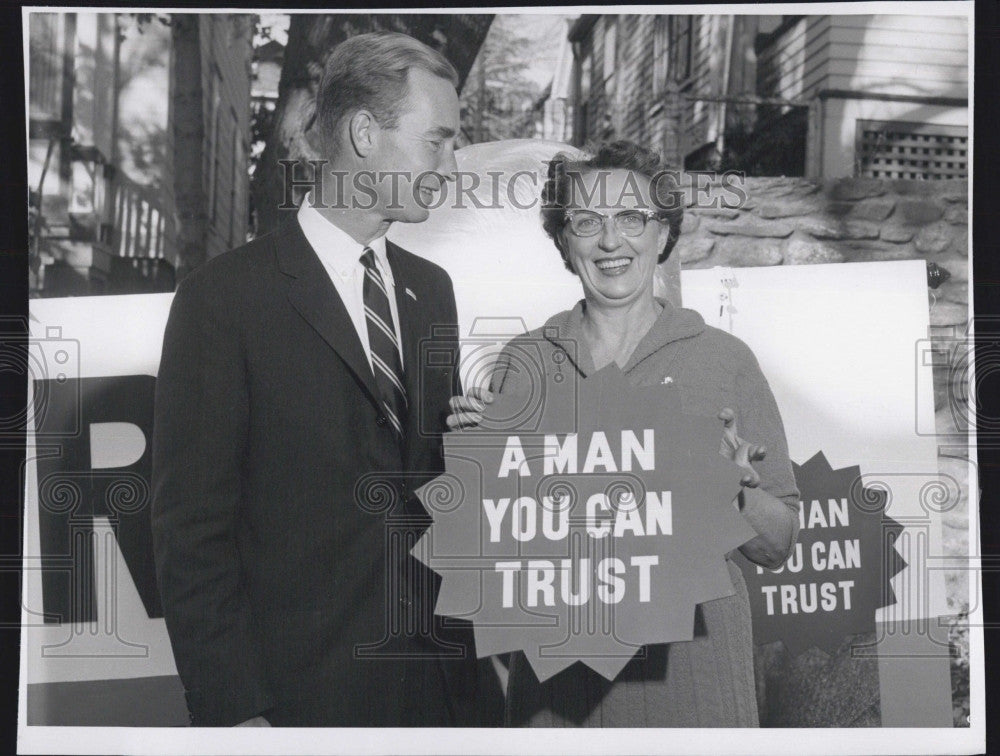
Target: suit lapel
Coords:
[(313, 295)]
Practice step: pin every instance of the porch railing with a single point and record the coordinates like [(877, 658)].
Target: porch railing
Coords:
[(136, 222)]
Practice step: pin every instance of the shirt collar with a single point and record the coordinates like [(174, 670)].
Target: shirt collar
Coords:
[(335, 247)]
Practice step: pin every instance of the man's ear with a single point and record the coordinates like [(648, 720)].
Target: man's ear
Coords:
[(363, 132)]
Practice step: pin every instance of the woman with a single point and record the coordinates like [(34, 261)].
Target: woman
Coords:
[(612, 238)]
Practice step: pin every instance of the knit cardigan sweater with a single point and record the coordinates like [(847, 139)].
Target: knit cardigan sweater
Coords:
[(708, 681)]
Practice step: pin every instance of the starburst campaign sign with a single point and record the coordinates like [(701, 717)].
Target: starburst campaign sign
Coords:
[(583, 523), (829, 588)]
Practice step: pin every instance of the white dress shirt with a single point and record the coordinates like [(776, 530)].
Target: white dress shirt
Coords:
[(341, 257)]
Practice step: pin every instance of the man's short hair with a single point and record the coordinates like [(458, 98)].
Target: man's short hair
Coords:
[(370, 71)]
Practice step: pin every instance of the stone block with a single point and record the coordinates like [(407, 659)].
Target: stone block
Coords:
[(925, 188), (958, 267), (885, 254), (954, 291), (918, 212), (712, 195), (793, 190), (941, 373), (957, 215), (960, 245), (773, 187), (934, 239), (955, 542), (952, 424), (789, 209), (839, 209), (897, 234), (690, 223), (748, 253), (873, 209), (803, 252), (708, 262), (693, 249), (955, 198), (945, 313), (750, 226), (954, 473), (857, 250), (716, 213), (860, 229), (857, 189), (820, 228)]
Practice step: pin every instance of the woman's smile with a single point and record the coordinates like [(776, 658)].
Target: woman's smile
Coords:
[(615, 247), (613, 266)]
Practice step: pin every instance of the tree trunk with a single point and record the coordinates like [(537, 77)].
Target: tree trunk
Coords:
[(480, 101), (189, 140), (310, 39)]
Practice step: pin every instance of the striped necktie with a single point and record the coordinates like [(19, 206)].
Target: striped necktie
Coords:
[(384, 345)]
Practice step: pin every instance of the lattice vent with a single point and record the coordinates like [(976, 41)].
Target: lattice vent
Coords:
[(905, 150)]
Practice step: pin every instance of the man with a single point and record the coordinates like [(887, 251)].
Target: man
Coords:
[(296, 412)]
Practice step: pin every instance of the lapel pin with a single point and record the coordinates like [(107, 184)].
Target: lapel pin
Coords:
[(411, 294), (668, 380)]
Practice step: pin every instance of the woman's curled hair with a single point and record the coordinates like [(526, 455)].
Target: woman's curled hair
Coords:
[(665, 192)]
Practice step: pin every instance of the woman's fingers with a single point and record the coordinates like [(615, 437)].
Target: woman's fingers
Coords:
[(728, 418), (483, 395), (467, 411), (730, 440), (465, 404), (742, 452), (474, 401), (744, 456), (461, 420)]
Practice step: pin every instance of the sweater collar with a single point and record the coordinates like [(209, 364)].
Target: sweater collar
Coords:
[(565, 330)]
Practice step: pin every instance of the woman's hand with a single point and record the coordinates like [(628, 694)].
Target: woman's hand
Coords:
[(467, 411), (775, 522), (742, 452)]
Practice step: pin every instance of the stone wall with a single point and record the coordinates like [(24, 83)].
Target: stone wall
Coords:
[(794, 221)]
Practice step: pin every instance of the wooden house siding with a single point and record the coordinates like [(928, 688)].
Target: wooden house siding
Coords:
[(90, 77), (226, 57), (888, 54), (794, 66), (635, 37), (838, 65), (707, 38)]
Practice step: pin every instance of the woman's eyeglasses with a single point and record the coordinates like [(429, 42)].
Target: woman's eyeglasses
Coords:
[(590, 223)]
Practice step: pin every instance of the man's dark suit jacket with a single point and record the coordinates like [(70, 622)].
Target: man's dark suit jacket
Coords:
[(283, 509)]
